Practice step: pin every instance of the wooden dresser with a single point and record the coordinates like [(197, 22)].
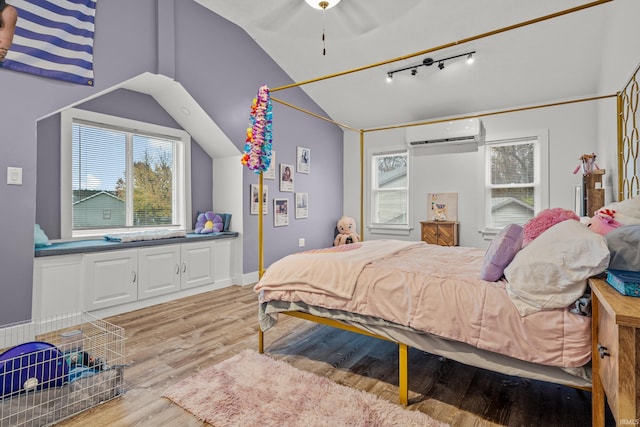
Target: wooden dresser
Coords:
[(616, 354), (443, 233)]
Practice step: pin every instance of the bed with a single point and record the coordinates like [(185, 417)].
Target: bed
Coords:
[(433, 298)]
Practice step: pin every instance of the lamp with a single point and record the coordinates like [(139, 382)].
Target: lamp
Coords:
[(427, 62), (322, 5)]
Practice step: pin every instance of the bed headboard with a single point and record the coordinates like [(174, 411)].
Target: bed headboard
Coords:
[(629, 139)]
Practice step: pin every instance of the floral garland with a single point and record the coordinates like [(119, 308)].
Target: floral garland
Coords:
[(257, 148)]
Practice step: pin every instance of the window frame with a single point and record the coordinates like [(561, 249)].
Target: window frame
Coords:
[(541, 173), (182, 166), (379, 228)]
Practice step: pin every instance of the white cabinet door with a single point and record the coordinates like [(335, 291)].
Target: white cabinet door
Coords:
[(197, 264), (158, 270), (222, 261), (57, 285), (111, 278)]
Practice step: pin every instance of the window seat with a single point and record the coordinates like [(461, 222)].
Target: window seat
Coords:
[(100, 245)]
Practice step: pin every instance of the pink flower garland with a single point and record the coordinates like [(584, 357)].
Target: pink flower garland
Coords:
[(257, 148)]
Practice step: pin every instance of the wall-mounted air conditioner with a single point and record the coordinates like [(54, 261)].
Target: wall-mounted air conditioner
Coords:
[(467, 131)]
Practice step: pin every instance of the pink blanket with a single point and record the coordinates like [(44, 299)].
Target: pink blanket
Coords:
[(331, 271), (437, 289)]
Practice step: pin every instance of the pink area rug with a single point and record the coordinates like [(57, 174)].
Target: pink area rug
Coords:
[(250, 389)]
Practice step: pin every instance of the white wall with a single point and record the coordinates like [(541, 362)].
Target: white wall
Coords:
[(572, 132)]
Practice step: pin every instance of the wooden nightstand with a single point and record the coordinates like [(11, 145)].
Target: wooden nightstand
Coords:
[(616, 354), (443, 233)]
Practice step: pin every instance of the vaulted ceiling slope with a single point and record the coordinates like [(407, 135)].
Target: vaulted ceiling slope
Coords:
[(556, 59)]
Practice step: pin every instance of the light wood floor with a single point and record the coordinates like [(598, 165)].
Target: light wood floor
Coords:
[(171, 341)]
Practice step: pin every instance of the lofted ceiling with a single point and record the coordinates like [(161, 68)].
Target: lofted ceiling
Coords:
[(552, 60)]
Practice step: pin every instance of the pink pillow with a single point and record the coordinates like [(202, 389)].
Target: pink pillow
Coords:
[(544, 220), (501, 251)]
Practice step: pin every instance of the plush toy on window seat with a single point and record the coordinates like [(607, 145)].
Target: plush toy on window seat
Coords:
[(346, 232), (208, 222)]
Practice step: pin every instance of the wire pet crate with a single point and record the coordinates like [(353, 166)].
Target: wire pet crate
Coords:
[(51, 369)]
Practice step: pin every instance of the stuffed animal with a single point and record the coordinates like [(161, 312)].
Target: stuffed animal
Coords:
[(587, 164), (346, 232)]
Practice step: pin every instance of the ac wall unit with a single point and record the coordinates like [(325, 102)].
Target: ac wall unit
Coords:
[(467, 131)]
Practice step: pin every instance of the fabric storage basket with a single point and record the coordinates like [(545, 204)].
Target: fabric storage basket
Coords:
[(53, 368)]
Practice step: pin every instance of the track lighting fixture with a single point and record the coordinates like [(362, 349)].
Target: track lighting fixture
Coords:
[(428, 62), (470, 58)]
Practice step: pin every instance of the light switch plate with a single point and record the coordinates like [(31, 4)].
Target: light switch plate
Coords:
[(14, 176)]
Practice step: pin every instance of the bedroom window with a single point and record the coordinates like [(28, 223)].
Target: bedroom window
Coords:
[(515, 180), (389, 190), (121, 176)]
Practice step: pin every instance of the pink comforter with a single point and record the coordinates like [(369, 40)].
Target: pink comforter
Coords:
[(437, 289)]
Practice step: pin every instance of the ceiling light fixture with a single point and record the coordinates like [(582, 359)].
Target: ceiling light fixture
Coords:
[(322, 5), (428, 62)]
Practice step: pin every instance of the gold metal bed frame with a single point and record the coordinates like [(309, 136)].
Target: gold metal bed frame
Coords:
[(628, 174)]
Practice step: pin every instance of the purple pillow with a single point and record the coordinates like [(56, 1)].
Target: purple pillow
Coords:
[(501, 251)]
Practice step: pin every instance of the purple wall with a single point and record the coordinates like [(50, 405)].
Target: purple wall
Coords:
[(220, 66)]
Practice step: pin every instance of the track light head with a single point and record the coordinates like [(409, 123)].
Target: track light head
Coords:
[(470, 58), (414, 71), (441, 65), (389, 77)]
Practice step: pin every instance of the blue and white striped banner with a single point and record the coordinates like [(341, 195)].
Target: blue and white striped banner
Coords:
[(54, 38)]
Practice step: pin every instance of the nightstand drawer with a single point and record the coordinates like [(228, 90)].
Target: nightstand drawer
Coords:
[(607, 353)]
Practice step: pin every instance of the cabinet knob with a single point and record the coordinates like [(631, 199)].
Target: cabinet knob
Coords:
[(602, 350)]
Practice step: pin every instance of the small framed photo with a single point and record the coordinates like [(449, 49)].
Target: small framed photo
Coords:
[(271, 172), (302, 205), (304, 160), (255, 188), (286, 177), (280, 212)]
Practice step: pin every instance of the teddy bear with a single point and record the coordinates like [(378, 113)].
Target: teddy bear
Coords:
[(346, 232)]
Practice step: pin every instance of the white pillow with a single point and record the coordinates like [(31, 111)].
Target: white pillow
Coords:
[(552, 271)]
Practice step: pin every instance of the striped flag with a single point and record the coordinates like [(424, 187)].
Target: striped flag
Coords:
[(54, 38)]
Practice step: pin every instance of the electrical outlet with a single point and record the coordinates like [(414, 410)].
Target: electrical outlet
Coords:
[(301, 242), (14, 176)]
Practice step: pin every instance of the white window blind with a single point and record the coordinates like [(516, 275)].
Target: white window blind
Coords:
[(512, 181), (389, 189), (121, 178)]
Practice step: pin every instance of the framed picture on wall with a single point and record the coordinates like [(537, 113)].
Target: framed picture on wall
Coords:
[(302, 205), (255, 188), (271, 172), (303, 157), (286, 177), (280, 212)]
